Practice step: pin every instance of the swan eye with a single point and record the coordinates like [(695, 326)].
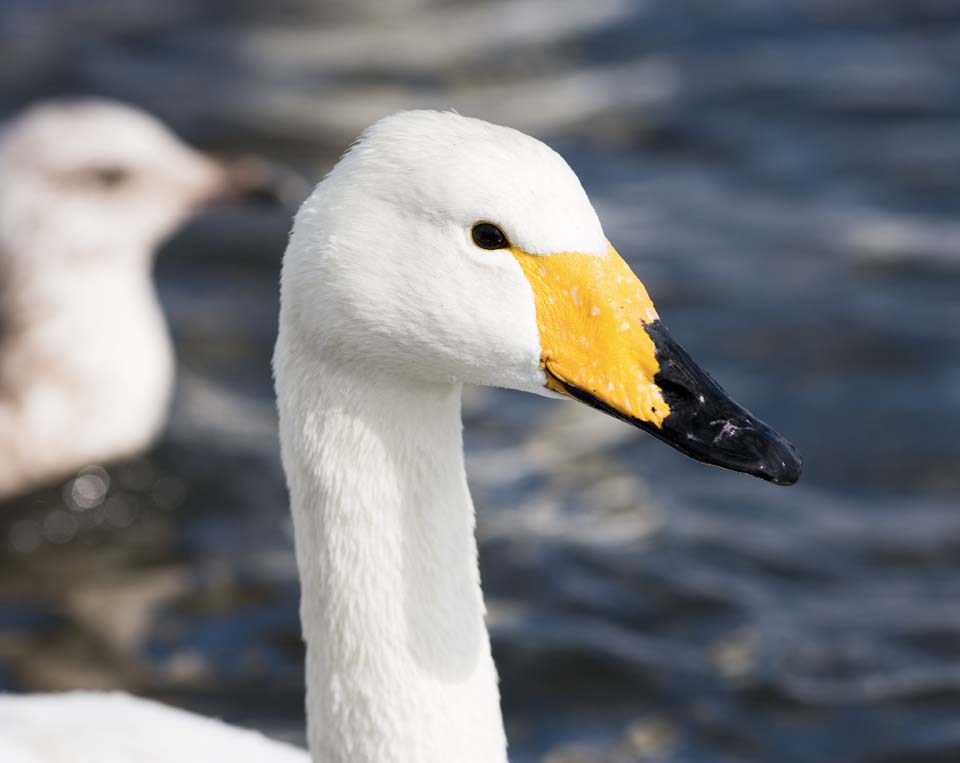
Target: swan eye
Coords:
[(489, 236)]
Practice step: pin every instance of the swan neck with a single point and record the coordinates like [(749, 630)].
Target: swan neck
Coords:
[(398, 656)]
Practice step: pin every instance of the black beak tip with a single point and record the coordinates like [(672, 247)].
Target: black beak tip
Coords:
[(782, 465), (707, 425), (739, 442)]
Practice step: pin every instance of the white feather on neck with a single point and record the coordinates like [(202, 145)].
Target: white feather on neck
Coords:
[(398, 664)]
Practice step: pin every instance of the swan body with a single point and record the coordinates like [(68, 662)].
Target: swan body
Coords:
[(94, 727), (88, 190), (443, 251)]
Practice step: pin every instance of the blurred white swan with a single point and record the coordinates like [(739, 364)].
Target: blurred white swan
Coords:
[(441, 250), (88, 189)]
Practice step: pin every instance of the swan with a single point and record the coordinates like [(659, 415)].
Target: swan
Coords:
[(440, 251), (88, 190)]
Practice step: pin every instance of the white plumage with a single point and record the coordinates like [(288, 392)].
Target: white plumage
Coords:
[(82, 727)]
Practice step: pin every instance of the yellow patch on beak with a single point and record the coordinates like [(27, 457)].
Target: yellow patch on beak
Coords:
[(591, 313)]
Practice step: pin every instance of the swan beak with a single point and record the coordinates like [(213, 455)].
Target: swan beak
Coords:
[(602, 343)]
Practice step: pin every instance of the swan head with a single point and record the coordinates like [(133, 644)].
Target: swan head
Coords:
[(450, 250), (99, 178)]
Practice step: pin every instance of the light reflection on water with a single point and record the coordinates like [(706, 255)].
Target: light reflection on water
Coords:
[(782, 176)]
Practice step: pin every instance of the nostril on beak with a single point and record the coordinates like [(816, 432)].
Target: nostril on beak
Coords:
[(674, 389)]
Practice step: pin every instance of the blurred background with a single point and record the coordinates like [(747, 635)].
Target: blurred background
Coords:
[(784, 175)]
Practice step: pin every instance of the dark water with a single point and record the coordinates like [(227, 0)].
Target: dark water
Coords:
[(783, 175)]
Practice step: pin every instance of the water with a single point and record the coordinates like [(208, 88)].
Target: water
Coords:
[(783, 176)]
